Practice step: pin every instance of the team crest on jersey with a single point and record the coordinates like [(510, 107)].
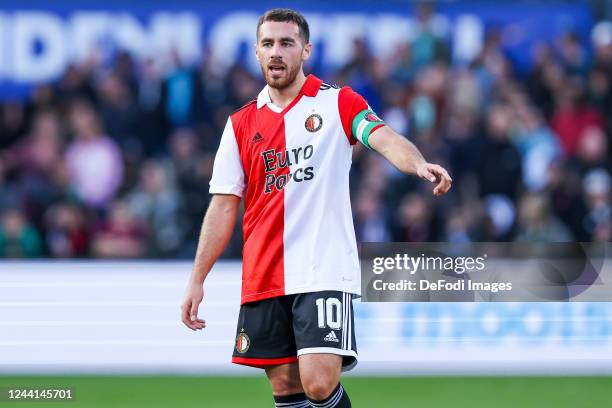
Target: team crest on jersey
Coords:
[(371, 117), (242, 342), (313, 123)]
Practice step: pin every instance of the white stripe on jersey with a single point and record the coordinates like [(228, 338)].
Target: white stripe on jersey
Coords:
[(318, 211)]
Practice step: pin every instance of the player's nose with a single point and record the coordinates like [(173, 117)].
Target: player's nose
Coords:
[(276, 50), (275, 60)]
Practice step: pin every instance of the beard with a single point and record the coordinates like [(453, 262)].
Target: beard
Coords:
[(282, 79)]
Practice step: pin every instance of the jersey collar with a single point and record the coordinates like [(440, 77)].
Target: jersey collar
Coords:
[(310, 88)]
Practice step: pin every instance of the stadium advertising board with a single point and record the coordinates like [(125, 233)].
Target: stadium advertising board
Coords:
[(38, 40), (124, 317)]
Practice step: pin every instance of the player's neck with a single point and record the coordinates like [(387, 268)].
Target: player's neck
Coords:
[(283, 97)]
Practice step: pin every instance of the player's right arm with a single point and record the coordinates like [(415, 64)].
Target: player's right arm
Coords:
[(227, 186), (215, 233)]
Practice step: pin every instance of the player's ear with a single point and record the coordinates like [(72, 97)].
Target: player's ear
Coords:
[(306, 52), (256, 51)]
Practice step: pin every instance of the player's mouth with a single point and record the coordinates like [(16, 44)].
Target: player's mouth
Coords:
[(276, 68)]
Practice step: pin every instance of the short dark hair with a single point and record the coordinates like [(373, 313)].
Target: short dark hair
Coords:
[(284, 15)]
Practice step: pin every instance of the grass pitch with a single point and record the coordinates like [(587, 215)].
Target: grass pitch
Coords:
[(365, 392)]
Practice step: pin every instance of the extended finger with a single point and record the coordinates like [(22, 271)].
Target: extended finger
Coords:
[(442, 172), (442, 187), (199, 324)]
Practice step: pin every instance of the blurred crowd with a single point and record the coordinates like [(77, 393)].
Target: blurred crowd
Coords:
[(114, 160)]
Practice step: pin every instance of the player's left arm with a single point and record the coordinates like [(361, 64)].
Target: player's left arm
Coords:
[(404, 155), (361, 124)]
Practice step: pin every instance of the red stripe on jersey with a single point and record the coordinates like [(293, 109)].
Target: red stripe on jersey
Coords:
[(350, 103), (311, 86), (288, 107), (263, 362), (263, 223), (257, 131)]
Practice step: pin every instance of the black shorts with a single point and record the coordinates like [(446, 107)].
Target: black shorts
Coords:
[(278, 330)]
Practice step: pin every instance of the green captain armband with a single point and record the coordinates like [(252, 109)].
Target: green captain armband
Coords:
[(363, 124)]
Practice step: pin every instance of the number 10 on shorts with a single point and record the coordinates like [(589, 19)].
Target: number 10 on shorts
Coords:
[(329, 311)]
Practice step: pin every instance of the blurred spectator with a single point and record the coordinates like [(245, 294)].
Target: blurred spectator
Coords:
[(122, 235), (461, 128), (404, 69), (537, 145), (360, 73), (370, 222), (193, 171), (597, 221), (13, 123), (500, 165), (566, 198), (35, 158), (93, 159), (537, 224), (573, 54), (500, 214), (181, 95), (601, 38), (18, 239), (151, 126), (592, 149), (66, 234), (118, 111), (599, 94), (40, 151), (77, 82), (573, 115), (492, 68), (412, 221), (242, 87), (457, 228), (431, 30), (156, 202), (545, 78), (424, 109)]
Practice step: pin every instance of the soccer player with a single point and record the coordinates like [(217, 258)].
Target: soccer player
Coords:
[(288, 155)]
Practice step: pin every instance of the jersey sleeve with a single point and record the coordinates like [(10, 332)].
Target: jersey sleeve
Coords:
[(358, 119), (228, 174)]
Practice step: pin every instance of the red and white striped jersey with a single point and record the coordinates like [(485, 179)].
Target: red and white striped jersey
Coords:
[(292, 168)]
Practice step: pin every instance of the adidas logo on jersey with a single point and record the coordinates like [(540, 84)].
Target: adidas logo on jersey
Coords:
[(257, 138), (331, 337)]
